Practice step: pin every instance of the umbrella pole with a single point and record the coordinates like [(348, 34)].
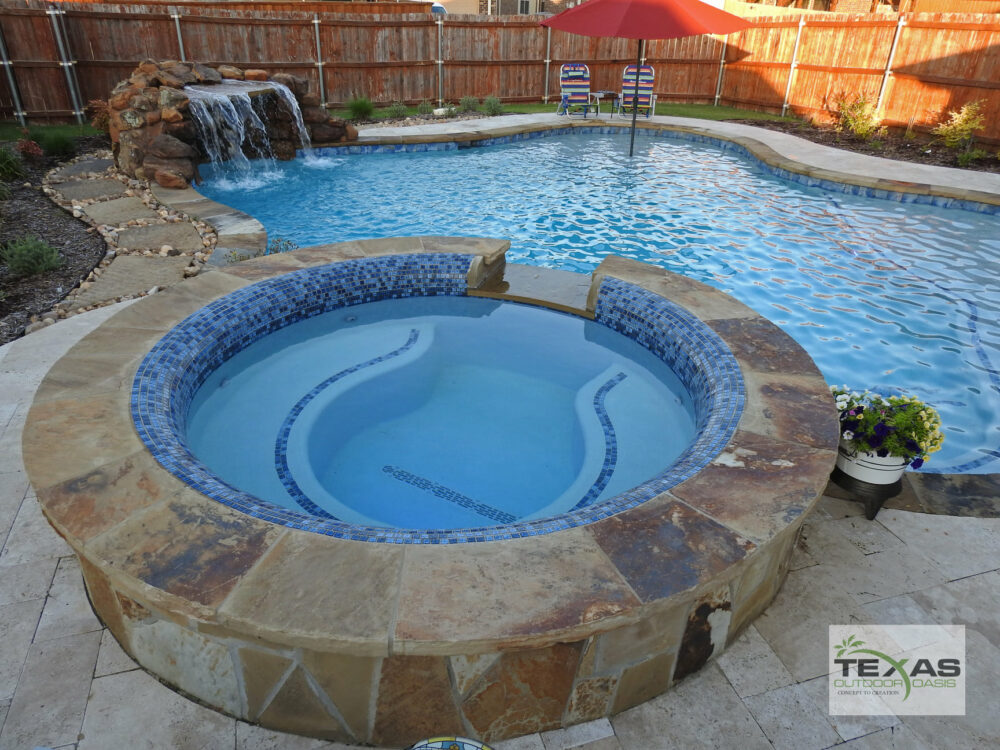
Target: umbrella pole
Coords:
[(635, 98)]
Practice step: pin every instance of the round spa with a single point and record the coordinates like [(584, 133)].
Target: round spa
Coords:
[(374, 497)]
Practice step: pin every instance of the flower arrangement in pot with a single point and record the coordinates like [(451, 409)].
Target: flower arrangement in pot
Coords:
[(881, 436)]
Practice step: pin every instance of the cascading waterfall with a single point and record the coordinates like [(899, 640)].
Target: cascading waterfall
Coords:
[(230, 122)]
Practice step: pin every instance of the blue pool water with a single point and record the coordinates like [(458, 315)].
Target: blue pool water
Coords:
[(892, 296), (439, 412)]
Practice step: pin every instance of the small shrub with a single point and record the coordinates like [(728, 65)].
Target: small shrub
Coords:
[(967, 157), (100, 114), (4, 191), (10, 165), (361, 108), (451, 110), (859, 117), (425, 107), (280, 245), (468, 104), (492, 106), (28, 149), (54, 143), (30, 255), (396, 111), (958, 131)]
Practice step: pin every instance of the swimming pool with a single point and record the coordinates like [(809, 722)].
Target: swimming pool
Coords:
[(883, 294), (439, 413)]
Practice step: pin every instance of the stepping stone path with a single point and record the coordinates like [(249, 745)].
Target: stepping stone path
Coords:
[(130, 275), (180, 235), (120, 211), (77, 190), (84, 166)]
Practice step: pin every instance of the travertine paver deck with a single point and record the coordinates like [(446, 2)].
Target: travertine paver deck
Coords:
[(761, 693)]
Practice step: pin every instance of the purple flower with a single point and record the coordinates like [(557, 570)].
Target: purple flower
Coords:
[(875, 441), (882, 429), (917, 463), (912, 446)]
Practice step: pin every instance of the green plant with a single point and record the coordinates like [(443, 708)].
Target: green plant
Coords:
[(468, 104), (10, 164), (29, 255), (4, 191), (492, 106), (425, 107), (54, 143), (859, 117), (27, 148), (361, 108), (958, 131), (280, 245), (901, 426), (971, 155), (450, 109), (396, 111)]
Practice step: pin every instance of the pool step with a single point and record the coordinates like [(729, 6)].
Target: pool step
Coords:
[(560, 290)]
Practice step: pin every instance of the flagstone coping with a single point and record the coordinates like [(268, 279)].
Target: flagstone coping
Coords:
[(380, 643)]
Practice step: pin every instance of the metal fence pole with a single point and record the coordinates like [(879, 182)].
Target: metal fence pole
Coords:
[(177, 27), (440, 61), (795, 64), (548, 61), (888, 63), (722, 70), (8, 67), (319, 62), (66, 63)]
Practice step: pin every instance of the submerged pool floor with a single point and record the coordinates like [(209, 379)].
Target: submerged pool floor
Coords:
[(883, 294)]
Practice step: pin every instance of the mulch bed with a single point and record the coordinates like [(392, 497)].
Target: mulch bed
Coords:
[(29, 211)]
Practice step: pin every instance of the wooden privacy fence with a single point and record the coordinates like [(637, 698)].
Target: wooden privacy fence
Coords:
[(917, 67)]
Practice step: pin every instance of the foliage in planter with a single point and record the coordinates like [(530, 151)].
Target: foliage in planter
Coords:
[(859, 117), (29, 255), (958, 131), (901, 426)]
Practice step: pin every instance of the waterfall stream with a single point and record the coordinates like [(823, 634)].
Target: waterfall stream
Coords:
[(231, 122)]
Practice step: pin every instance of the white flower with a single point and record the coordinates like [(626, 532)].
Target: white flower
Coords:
[(848, 435)]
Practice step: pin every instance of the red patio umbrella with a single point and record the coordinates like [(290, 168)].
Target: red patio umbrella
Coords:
[(645, 19)]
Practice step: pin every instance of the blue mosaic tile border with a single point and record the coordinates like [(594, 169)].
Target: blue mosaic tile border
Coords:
[(175, 368), (447, 493), (610, 443), (725, 145)]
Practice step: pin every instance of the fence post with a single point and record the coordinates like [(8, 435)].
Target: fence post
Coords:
[(722, 70), (177, 27), (795, 64), (8, 67), (66, 63), (440, 60), (319, 62), (888, 63), (548, 61)]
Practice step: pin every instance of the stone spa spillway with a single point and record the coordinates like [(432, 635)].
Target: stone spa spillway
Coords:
[(367, 633)]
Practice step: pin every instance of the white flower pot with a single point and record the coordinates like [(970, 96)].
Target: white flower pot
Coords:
[(869, 467)]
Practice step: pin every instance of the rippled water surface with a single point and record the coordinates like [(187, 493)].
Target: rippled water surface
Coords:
[(889, 296)]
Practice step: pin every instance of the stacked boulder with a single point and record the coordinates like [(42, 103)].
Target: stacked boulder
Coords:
[(153, 137)]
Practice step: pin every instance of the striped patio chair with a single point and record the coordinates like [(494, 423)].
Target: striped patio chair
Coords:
[(574, 85), (645, 102)]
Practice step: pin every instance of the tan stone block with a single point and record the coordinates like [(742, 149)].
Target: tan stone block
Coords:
[(323, 254), (66, 438), (297, 709), (760, 580), (262, 672), (89, 505), (188, 546), (523, 591), (349, 682), (415, 700), (706, 632), (467, 670), (591, 699), (660, 629), (798, 409), (104, 600), (254, 74), (525, 692), (350, 603), (391, 246), (643, 681)]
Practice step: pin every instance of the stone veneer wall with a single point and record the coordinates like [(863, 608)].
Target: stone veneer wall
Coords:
[(154, 138)]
